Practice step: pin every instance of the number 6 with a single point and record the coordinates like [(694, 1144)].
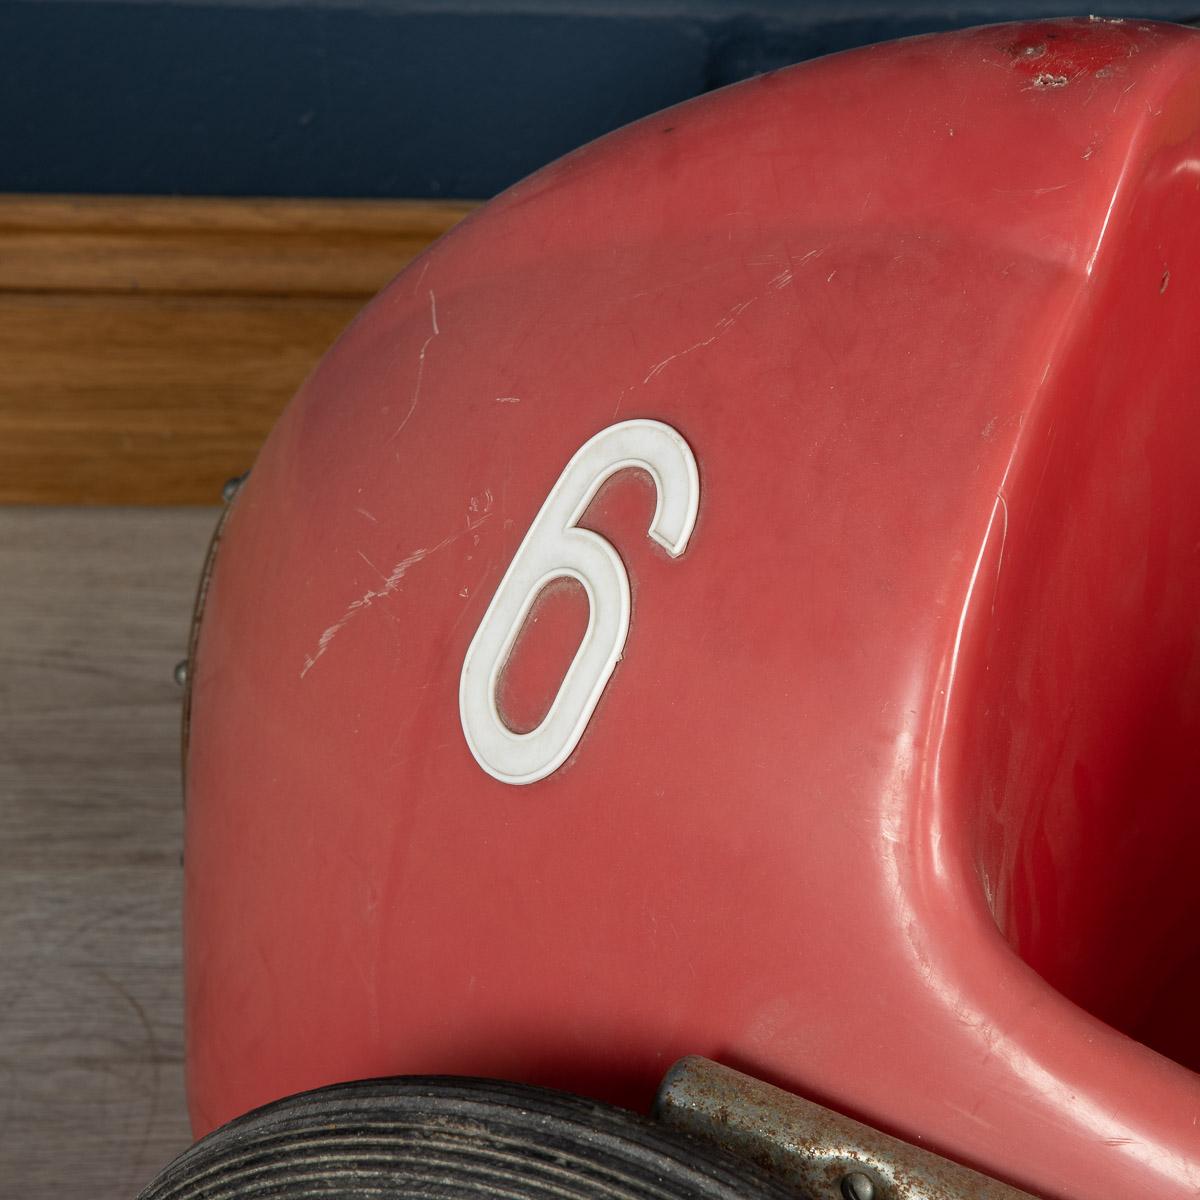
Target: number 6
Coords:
[(556, 548)]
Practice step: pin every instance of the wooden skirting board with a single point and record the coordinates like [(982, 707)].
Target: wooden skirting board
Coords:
[(147, 345)]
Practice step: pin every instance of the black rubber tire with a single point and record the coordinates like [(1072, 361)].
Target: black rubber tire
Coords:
[(454, 1137)]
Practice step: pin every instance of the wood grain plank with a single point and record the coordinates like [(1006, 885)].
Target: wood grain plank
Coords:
[(150, 344), (214, 247), (91, 1030), (147, 399)]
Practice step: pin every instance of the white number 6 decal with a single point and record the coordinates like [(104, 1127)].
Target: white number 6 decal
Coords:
[(556, 548)]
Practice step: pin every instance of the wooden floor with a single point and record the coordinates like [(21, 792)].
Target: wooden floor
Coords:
[(94, 609)]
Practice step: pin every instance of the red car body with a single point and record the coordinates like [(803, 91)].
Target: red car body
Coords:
[(887, 792)]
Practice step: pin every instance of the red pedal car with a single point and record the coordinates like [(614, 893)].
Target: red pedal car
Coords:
[(736, 596)]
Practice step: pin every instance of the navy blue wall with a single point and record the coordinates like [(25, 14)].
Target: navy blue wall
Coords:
[(344, 98)]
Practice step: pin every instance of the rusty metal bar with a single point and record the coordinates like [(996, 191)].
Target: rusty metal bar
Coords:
[(823, 1154)]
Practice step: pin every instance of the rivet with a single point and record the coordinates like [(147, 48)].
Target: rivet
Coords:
[(181, 672), (231, 488), (858, 1186)]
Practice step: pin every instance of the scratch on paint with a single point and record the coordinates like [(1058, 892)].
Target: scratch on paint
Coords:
[(1000, 500), (1025, 193), (723, 326), (416, 395), (508, 399), (776, 283), (391, 581)]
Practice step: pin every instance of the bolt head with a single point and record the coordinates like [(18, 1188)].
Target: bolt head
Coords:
[(858, 1185), (231, 488), (181, 672)]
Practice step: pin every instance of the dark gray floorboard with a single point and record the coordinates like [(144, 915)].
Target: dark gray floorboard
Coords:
[(94, 609)]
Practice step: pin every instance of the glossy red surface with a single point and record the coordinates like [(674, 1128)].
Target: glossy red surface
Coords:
[(890, 797)]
